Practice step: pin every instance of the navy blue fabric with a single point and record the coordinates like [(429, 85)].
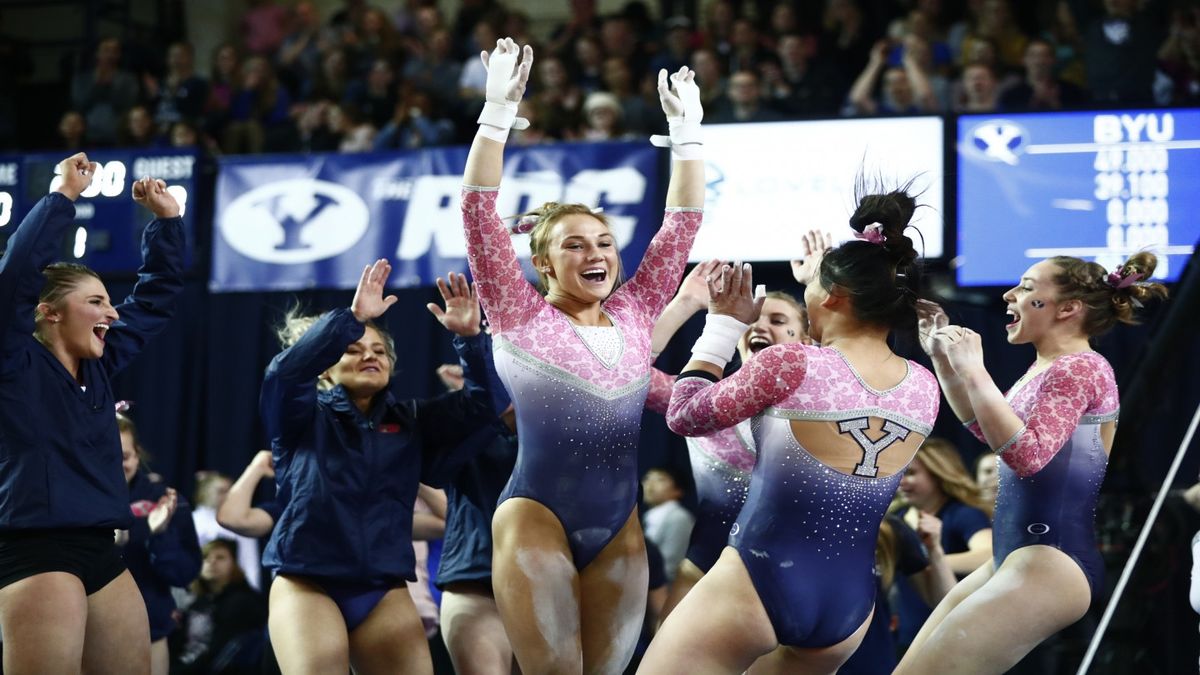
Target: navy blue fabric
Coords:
[(348, 480), (471, 502), (60, 453), (354, 600), (160, 561), (959, 523), (877, 653)]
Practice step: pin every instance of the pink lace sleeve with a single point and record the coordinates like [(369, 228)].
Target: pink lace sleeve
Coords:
[(973, 427), (699, 407), (508, 299), (660, 391), (661, 268), (1069, 389)]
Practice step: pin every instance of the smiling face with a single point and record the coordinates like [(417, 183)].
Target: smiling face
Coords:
[(364, 369), (919, 487), (1033, 304), (580, 259), (779, 323), (80, 320)]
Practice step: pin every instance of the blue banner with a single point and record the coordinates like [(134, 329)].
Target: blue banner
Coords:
[(291, 223)]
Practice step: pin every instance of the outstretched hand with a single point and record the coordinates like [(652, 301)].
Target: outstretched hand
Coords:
[(731, 292), (694, 289), (152, 194), (680, 95), (77, 174), (963, 348), (462, 313), (160, 515), (815, 244), (369, 302), (506, 79)]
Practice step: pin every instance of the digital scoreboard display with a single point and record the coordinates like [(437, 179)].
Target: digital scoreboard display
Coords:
[(108, 223), (1094, 185), (769, 183)]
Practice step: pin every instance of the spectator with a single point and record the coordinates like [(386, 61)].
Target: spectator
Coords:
[(619, 80), (331, 81), (804, 88), (313, 128), (979, 89), (138, 130), (222, 629), (104, 93), (414, 125), (72, 131), (182, 94), (263, 27), (709, 77), (1041, 89), (375, 95), (604, 118), (589, 65), (718, 28), (436, 71), (845, 40), (300, 51), (744, 102), (211, 490), (1179, 58), (559, 102), (1120, 49), (472, 80), (905, 91), (582, 21), (668, 524), (375, 38), (619, 41), (258, 115), (676, 46), (987, 476), (225, 78), (996, 25), (746, 52), (348, 124)]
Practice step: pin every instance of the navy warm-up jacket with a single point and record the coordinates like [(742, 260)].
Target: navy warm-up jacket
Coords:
[(60, 452), (160, 561), (348, 480)]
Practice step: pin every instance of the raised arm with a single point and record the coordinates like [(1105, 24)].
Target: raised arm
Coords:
[(667, 254), (160, 278), (691, 298), (35, 244), (864, 86), (506, 295), (237, 513)]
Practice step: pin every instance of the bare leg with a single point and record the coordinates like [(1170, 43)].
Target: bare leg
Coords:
[(687, 577), (613, 590), (719, 627), (1036, 592), (118, 632), (308, 633), (44, 618), (391, 639), (961, 591), (473, 631), (537, 588), (808, 661), (160, 657)]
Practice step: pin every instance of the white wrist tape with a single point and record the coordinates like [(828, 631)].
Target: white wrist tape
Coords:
[(719, 340), (685, 140), (496, 119)]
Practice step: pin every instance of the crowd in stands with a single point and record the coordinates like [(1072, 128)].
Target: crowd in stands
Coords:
[(366, 78)]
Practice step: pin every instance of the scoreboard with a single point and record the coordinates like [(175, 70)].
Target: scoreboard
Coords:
[(108, 223), (1094, 185)]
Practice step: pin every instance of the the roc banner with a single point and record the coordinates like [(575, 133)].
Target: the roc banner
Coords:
[(297, 222)]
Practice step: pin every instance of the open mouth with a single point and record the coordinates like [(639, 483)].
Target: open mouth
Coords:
[(595, 275), (757, 343), (1016, 318), (370, 369), (100, 330)]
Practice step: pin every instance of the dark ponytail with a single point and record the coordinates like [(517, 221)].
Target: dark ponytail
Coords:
[(879, 270)]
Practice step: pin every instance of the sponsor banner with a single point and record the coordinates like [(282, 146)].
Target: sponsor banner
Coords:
[(286, 223)]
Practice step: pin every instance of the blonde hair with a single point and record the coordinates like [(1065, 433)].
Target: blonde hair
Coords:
[(795, 304), (943, 462), (61, 278), (547, 216), (296, 323), (126, 425), (1106, 303)]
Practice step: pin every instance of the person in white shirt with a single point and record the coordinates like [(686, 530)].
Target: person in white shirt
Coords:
[(667, 523), (211, 489)]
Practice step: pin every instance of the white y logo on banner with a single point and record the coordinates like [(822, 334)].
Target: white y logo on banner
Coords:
[(295, 221)]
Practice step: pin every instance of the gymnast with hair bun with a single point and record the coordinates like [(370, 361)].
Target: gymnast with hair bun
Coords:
[(1052, 433)]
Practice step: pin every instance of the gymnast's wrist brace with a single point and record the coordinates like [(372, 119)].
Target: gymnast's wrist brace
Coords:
[(496, 119), (685, 140), (719, 340)]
